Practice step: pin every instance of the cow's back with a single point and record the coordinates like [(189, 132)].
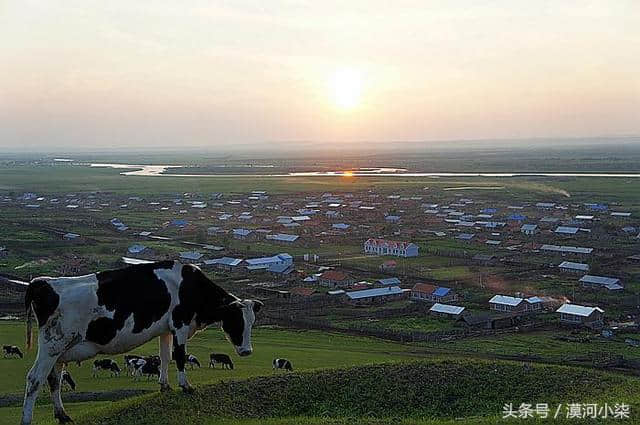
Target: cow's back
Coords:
[(114, 310)]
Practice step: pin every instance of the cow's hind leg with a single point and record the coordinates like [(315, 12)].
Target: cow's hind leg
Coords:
[(180, 349), (35, 378), (165, 358), (55, 383)]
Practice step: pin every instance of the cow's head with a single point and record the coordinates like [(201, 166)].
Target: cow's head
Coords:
[(238, 318)]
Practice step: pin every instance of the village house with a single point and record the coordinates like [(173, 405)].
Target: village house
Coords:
[(376, 295), (387, 247), (282, 238), (561, 249), (601, 282), (266, 263), (485, 259), (566, 230), (529, 229), (136, 249), (388, 265), (392, 218), (430, 293), (225, 263), (335, 279), (573, 314), (505, 303), (340, 226), (190, 256), (571, 267), (214, 230), (446, 311), (389, 281), (243, 234)]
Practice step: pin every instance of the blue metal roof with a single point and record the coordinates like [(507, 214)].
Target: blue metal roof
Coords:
[(441, 291), (280, 268)]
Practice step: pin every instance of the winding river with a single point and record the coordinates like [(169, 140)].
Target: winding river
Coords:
[(159, 171)]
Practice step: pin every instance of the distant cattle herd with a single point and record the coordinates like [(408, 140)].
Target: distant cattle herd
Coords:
[(138, 366)]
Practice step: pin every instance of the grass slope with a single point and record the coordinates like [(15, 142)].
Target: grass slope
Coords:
[(306, 349), (426, 392)]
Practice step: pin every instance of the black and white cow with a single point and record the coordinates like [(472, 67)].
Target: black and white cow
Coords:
[(115, 311), (105, 364), (127, 359), (67, 380), (223, 359), (193, 361), (146, 368), (11, 350), (282, 364), (134, 365)]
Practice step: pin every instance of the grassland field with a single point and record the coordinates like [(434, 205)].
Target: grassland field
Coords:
[(65, 178), (306, 349)]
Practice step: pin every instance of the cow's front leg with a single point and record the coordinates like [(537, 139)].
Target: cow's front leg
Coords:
[(55, 384), (165, 358), (35, 379), (180, 352)]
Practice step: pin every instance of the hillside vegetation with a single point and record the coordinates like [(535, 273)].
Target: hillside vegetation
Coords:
[(427, 392)]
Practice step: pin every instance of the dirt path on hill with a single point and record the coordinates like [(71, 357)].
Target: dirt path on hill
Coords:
[(12, 400)]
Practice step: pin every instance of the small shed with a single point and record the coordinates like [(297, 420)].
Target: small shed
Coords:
[(446, 310)]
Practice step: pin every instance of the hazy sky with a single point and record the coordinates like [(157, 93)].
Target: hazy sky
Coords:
[(219, 73)]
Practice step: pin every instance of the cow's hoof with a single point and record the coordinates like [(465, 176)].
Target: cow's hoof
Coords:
[(188, 389), (63, 418), (165, 388)]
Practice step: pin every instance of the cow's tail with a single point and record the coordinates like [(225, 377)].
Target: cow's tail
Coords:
[(28, 305)]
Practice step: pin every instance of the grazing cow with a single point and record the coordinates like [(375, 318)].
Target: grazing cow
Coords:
[(222, 359), (115, 311), (11, 350), (106, 364), (192, 361), (282, 364), (144, 367), (132, 365), (67, 380), (127, 357)]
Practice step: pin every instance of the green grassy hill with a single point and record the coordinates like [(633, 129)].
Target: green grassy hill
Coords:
[(424, 392)]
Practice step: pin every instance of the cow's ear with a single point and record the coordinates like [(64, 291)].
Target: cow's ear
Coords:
[(257, 305)]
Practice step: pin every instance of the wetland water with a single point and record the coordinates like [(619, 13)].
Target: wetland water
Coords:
[(159, 171)]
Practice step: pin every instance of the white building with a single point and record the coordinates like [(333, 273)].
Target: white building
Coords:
[(386, 247)]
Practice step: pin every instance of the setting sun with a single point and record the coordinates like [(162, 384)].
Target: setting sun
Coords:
[(346, 88)]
